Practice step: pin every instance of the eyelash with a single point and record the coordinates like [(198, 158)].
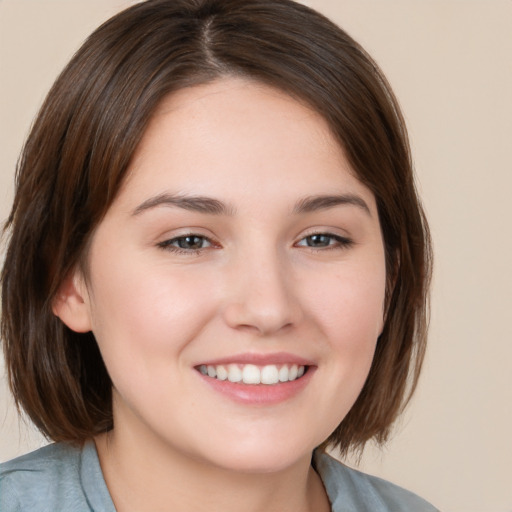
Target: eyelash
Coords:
[(167, 244), (341, 243)]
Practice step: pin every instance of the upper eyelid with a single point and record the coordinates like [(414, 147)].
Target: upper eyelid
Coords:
[(338, 238), (197, 232), (168, 240), (166, 237), (332, 232)]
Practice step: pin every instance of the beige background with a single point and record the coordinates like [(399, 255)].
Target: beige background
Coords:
[(450, 63)]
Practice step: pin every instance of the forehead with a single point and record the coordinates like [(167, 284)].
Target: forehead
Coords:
[(239, 136)]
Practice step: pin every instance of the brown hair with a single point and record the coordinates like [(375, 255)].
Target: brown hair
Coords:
[(77, 154)]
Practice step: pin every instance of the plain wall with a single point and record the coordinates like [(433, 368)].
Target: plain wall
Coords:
[(450, 64)]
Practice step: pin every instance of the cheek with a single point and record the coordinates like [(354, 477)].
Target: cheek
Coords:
[(142, 314), (350, 312), (351, 304)]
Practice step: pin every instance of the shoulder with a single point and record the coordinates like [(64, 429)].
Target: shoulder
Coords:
[(52, 478), (350, 490), (39, 479)]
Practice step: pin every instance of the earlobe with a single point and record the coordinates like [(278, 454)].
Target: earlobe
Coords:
[(71, 303)]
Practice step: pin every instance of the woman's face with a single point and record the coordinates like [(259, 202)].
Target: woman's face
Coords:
[(241, 246)]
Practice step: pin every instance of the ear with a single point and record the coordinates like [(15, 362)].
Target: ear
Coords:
[(71, 304)]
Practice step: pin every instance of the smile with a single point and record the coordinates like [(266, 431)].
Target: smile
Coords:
[(269, 374)]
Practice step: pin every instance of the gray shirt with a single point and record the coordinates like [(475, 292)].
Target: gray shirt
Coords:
[(61, 477)]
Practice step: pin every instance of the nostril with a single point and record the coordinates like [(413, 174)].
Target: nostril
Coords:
[(259, 317)]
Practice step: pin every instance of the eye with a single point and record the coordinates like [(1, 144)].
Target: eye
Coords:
[(186, 244), (325, 241)]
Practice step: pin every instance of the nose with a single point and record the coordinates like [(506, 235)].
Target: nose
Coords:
[(262, 295)]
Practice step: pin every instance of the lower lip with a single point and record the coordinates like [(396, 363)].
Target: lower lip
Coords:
[(259, 394)]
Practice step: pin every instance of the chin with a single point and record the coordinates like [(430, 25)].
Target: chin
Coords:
[(260, 457)]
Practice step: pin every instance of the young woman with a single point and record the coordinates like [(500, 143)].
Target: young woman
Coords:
[(217, 267)]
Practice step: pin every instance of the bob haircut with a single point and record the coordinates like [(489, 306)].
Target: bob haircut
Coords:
[(79, 149)]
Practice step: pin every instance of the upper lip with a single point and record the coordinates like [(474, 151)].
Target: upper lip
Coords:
[(260, 359)]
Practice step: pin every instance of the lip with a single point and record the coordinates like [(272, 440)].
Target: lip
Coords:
[(260, 359), (259, 394)]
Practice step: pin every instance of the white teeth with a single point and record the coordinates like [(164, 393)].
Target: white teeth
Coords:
[(251, 374), (222, 373), (234, 373), (269, 374)]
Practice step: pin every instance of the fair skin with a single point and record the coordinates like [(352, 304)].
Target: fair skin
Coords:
[(283, 265)]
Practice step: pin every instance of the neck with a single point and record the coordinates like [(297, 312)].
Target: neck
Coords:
[(148, 476)]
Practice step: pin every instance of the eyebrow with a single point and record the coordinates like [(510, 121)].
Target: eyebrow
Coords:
[(201, 204), (323, 202), (209, 205)]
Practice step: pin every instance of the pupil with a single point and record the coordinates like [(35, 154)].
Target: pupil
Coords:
[(318, 240), (190, 242)]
